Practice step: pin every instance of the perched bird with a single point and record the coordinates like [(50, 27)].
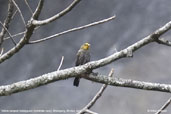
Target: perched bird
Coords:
[(83, 56)]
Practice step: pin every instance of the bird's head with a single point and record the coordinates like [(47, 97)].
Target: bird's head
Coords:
[(85, 46)]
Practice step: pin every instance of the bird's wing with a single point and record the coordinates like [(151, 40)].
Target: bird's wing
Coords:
[(82, 57)]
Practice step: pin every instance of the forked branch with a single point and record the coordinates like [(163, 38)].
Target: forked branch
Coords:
[(72, 30), (97, 96), (53, 18), (74, 71)]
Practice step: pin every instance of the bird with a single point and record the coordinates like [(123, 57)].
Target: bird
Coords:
[(83, 56)]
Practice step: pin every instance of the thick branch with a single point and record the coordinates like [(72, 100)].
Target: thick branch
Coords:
[(46, 21), (21, 43), (126, 52), (38, 10), (130, 83), (71, 72)]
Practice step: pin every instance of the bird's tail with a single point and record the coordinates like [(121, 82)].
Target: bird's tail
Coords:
[(76, 81)]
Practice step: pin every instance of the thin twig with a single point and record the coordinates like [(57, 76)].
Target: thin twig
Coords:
[(163, 41), (29, 6), (2, 50), (97, 96), (22, 17), (62, 59), (90, 112), (14, 14), (164, 106), (8, 33), (72, 30), (7, 21), (53, 18), (6, 38)]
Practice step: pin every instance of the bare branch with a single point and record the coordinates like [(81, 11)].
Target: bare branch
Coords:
[(46, 21), (75, 71), (97, 96), (2, 50), (19, 12), (7, 21), (21, 33), (130, 83), (72, 30), (163, 41), (29, 6), (72, 72), (20, 45), (90, 112), (125, 52), (62, 59), (24, 40), (8, 33), (14, 14), (164, 106), (38, 10)]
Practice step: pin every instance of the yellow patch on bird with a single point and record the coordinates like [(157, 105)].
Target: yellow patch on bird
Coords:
[(85, 46)]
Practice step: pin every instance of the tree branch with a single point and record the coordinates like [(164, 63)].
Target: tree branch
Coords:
[(28, 6), (72, 30), (74, 71), (126, 52), (164, 42), (130, 83), (21, 33), (97, 96), (90, 112), (7, 21), (2, 50), (46, 21), (62, 59), (8, 33), (38, 10), (29, 31), (19, 12), (164, 106)]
